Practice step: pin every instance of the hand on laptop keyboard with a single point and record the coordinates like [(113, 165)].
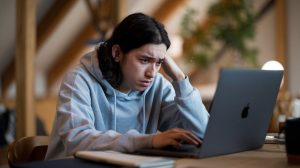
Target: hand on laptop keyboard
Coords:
[(175, 137)]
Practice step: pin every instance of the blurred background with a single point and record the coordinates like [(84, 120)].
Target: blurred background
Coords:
[(40, 40)]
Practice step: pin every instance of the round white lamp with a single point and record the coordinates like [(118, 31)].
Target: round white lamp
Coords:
[(273, 65)]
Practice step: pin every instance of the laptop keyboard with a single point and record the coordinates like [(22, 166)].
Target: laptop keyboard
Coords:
[(183, 148), (186, 150)]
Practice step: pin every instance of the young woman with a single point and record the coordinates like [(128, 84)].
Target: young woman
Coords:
[(115, 99)]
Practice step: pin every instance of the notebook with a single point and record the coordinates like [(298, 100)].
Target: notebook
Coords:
[(239, 116), (125, 160)]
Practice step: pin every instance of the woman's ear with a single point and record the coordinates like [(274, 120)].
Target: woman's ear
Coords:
[(116, 52)]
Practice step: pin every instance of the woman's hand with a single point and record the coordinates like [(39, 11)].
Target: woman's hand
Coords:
[(172, 69), (175, 137)]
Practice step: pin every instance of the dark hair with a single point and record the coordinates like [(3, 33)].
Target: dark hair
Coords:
[(133, 32)]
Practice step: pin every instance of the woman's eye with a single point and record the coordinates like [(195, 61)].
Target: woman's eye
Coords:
[(159, 63), (144, 61)]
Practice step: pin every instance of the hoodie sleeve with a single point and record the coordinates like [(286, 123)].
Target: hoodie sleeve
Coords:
[(183, 107), (74, 124)]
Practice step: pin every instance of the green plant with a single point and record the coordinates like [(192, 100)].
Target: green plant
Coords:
[(229, 25)]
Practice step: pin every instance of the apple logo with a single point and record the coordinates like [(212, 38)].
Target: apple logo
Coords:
[(245, 111)]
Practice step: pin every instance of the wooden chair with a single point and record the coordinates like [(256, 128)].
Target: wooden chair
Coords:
[(27, 149)]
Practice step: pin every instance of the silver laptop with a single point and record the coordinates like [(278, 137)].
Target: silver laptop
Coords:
[(239, 116)]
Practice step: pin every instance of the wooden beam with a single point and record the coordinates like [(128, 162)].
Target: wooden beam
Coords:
[(281, 56), (25, 56), (44, 30), (122, 10), (281, 38), (56, 14), (167, 9), (118, 7), (79, 44), (66, 59), (94, 14)]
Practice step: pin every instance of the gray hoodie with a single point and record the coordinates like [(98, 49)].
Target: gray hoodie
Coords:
[(92, 115)]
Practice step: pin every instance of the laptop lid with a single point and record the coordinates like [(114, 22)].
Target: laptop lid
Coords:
[(241, 111), (239, 116)]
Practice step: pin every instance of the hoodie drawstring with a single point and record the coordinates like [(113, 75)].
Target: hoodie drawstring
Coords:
[(115, 115), (144, 115)]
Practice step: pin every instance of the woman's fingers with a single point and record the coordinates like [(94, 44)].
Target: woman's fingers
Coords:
[(184, 137), (175, 137), (187, 136), (172, 69)]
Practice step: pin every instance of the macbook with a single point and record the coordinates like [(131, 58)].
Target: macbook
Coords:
[(239, 116)]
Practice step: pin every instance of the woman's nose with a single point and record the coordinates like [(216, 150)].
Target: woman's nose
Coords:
[(151, 71)]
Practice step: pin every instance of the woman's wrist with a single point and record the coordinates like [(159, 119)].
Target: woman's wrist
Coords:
[(179, 77)]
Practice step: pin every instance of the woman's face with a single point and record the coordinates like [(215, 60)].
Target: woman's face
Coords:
[(139, 66)]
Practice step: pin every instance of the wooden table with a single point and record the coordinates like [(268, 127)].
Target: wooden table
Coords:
[(270, 156)]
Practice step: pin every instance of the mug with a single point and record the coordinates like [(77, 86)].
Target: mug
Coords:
[(292, 140)]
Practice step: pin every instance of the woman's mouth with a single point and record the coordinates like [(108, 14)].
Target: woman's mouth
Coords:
[(145, 83)]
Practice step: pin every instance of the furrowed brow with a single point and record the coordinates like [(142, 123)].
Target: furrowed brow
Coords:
[(153, 59)]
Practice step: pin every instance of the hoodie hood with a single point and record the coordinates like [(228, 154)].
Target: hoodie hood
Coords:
[(91, 64)]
